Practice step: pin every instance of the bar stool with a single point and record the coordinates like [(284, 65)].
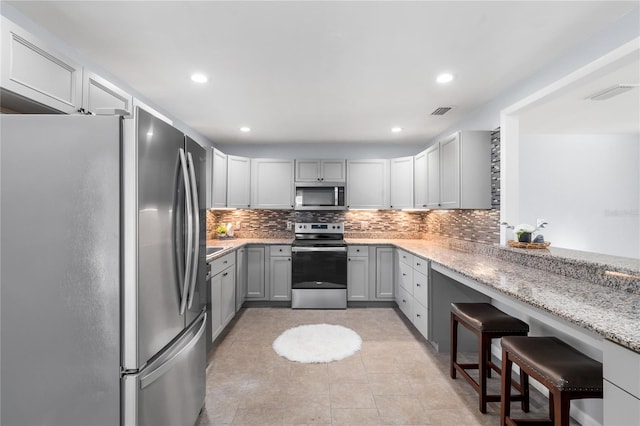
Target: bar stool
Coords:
[(486, 322), (567, 374)]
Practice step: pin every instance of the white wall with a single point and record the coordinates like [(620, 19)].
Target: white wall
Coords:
[(586, 186)]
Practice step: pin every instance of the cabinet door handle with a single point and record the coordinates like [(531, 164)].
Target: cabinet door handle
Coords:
[(418, 263), (225, 274), (418, 284), (225, 262), (418, 315), (404, 301), (404, 275)]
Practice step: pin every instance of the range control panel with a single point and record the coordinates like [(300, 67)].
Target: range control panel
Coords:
[(319, 228)]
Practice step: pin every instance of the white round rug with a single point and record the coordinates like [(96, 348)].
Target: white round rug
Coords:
[(317, 343)]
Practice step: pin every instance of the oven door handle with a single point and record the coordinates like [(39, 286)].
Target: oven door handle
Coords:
[(323, 249)]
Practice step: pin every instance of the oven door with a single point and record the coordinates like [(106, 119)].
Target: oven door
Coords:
[(319, 267)]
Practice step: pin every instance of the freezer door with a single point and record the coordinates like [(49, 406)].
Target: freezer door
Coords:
[(171, 389), (60, 246), (161, 192)]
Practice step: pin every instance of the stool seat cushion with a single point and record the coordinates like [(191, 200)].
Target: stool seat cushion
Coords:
[(566, 368), (487, 318)]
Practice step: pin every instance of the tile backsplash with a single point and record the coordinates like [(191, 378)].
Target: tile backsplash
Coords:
[(469, 225)]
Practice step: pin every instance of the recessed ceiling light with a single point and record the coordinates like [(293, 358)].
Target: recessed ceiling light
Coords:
[(396, 129), (199, 78), (245, 129), (444, 78)]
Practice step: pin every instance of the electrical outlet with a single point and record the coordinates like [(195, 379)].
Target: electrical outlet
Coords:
[(238, 225), (540, 222), (364, 225), (289, 224)]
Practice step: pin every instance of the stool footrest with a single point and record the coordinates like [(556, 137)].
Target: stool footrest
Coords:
[(520, 422)]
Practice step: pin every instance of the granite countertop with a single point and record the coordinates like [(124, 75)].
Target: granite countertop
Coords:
[(609, 312), (612, 313), (231, 244)]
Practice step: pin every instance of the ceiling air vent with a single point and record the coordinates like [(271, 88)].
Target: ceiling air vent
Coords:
[(441, 110), (612, 91)]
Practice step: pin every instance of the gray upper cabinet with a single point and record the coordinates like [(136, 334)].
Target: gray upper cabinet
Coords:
[(218, 195), (271, 183), (34, 70), (238, 182), (401, 171), (455, 173), (368, 184), (99, 95), (432, 183), (320, 171), (420, 180)]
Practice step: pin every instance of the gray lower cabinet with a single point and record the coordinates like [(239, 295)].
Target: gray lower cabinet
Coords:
[(223, 293), (280, 272), (621, 385), (241, 277), (384, 273), (357, 273), (256, 282), (412, 289)]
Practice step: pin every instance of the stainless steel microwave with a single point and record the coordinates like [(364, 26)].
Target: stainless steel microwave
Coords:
[(320, 196)]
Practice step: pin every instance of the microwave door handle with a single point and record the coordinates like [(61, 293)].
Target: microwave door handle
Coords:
[(189, 219), (335, 198), (196, 230)]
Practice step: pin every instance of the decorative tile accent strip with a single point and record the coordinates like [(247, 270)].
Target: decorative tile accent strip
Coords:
[(480, 226), (495, 168), (358, 223)]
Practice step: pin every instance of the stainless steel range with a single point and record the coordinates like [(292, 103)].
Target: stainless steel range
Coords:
[(319, 266)]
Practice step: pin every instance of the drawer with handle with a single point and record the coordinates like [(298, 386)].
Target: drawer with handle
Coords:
[(219, 265)]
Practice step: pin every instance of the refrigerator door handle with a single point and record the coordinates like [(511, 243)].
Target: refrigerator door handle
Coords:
[(188, 202), (166, 364), (196, 229)]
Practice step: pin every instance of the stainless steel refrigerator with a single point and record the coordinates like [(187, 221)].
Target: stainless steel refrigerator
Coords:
[(102, 270)]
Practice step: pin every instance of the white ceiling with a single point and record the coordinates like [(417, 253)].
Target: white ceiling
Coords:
[(571, 111), (321, 71)]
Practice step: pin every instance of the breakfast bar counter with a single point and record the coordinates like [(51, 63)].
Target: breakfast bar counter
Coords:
[(612, 313)]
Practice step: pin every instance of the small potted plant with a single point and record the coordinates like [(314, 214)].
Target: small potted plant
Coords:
[(221, 231), (524, 231)]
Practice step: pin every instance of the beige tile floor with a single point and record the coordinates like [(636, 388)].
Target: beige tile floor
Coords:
[(396, 378)]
